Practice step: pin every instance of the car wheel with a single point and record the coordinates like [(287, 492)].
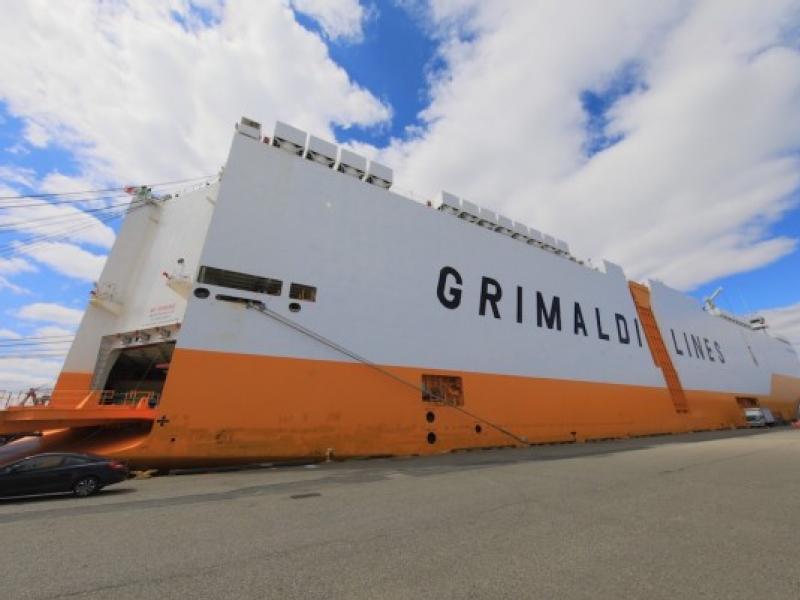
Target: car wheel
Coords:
[(86, 486)]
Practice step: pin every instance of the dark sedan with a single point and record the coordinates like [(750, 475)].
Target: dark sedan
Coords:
[(81, 474)]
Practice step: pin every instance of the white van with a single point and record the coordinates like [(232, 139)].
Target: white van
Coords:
[(755, 417), (769, 418)]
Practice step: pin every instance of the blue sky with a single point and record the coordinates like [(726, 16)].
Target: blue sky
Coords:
[(584, 145)]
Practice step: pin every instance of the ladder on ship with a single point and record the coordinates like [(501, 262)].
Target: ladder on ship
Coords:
[(641, 299)]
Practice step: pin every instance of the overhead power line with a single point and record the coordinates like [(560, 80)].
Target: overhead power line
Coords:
[(35, 344), (17, 247), (59, 218), (102, 190), (35, 337)]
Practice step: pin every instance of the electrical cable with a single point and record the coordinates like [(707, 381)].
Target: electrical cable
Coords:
[(60, 218), (103, 190), (35, 344), (41, 337), (17, 247)]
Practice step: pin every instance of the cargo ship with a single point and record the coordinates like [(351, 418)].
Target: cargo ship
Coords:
[(298, 308)]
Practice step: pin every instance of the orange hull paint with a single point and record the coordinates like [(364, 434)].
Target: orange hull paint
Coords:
[(233, 407), (70, 389)]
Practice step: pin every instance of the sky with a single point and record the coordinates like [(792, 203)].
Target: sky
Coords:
[(662, 136)]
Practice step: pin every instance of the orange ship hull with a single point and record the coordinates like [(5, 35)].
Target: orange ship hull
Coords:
[(225, 408)]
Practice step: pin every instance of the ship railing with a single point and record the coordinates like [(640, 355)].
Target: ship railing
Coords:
[(31, 397), (134, 398), (39, 398)]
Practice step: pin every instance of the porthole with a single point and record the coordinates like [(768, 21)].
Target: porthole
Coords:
[(294, 307), (478, 428), (201, 293), (431, 438), (430, 417)]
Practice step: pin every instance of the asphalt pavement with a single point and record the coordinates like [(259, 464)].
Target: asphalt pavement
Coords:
[(707, 515)]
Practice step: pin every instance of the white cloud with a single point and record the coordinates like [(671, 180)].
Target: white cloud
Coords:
[(5, 284), (709, 156), (339, 19), (68, 259), (50, 312), (14, 265), (19, 374), (37, 360), (63, 221), (139, 96), (52, 331), (15, 176), (36, 135), (785, 322)]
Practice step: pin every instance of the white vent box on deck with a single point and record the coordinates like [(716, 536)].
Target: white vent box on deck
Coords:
[(520, 232), (613, 269), (487, 218), (351, 164), (447, 203), (378, 174), (536, 237), (504, 225), (321, 151), (469, 211), (249, 128), (289, 138)]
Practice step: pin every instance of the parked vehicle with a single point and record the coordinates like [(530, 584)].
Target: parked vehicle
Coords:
[(755, 417), (769, 418), (81, 474)]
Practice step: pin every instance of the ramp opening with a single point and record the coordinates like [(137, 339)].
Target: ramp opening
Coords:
[(140, 369)]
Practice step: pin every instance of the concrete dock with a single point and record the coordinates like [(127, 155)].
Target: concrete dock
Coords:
[(707, 515)]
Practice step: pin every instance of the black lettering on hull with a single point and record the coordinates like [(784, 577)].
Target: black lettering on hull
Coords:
[(622, 329), (600, 333), (551, 319), (452, 297), (675, 343), (491, 297), (579, 322)]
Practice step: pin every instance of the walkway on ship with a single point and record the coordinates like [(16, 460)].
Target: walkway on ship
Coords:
[(710, 515)]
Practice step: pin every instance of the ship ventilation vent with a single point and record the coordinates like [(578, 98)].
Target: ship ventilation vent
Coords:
[(239, 281), (458, 207), (321, 152), (378, 174), (351, 164), (289, 138), (249, 128)]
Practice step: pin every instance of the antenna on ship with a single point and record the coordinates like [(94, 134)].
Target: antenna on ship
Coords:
[(708, 303)]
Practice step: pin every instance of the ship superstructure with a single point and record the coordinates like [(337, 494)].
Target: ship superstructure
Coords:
[(301, 308)]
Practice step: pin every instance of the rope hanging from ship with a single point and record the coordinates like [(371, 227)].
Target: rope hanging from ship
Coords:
[(261, 308)]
